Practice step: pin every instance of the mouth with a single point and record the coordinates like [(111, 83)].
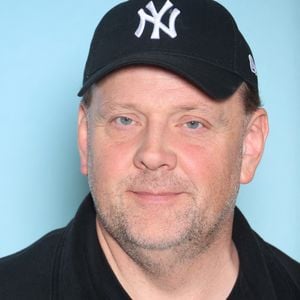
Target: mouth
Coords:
[(156, 197)]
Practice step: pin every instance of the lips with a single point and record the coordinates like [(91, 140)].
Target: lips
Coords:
[(156, 197)]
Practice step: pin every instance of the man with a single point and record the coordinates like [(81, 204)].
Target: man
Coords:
[(169, 126)]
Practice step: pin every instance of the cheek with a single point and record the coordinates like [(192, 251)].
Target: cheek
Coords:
[(110, 160), (209, 163), (197, 163)]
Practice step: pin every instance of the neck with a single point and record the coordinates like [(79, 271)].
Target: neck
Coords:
[(162, 274)]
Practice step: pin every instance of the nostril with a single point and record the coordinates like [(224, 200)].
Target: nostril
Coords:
[(153, 160)]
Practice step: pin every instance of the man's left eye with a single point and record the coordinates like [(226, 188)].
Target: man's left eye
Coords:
[(193, 124), (124, 121)]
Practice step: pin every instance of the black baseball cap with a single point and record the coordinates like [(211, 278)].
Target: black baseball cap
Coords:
[(196, 39)]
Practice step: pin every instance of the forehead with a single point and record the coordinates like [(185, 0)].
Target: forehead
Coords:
[(146, 75), (149, 85)]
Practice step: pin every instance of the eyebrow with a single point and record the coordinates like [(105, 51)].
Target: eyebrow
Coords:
[(201, 107), (108, 105)]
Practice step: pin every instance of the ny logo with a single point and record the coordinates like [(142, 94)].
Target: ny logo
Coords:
[(156, 18)]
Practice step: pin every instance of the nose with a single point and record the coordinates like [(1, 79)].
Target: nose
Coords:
[(154, 151)]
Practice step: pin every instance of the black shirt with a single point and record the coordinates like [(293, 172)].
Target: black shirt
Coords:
[(68, 263)]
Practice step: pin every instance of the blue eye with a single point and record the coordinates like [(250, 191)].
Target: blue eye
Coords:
[(193, 125), (124, 121)]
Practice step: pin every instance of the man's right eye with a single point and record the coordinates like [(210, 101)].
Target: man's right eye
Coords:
[(124, 121), (193, 124)]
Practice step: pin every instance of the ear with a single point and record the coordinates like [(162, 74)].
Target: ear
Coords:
[(253, 144), (83, 139)]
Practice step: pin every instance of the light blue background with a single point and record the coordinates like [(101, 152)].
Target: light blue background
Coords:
[(43, 47)]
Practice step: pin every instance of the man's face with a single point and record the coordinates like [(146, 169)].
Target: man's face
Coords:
[(164, 160)]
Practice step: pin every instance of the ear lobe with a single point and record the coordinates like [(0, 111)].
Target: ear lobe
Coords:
[(253, 144), (82, 139)]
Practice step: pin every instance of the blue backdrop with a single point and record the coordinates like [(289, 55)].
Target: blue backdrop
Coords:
[(43, 48)]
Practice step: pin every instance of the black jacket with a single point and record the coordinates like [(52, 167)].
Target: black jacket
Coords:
[(68, 263)]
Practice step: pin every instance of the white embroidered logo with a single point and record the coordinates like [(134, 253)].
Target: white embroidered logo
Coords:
[(156, 18), (252, 64)]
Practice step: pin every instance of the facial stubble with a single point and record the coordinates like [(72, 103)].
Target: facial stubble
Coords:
[(200, 229)]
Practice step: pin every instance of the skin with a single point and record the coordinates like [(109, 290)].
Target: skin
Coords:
[(164, 163)]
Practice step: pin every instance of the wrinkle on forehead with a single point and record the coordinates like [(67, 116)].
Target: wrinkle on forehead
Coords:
[(110, 107), (118, 91)]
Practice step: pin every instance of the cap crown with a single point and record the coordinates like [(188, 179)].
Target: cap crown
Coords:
[(197, 31)]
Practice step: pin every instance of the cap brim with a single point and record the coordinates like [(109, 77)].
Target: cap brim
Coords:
[(216, 82)]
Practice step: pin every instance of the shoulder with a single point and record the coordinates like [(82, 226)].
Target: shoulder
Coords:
[(28, 273), (283, 269), (267, 270), (282, 272)]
